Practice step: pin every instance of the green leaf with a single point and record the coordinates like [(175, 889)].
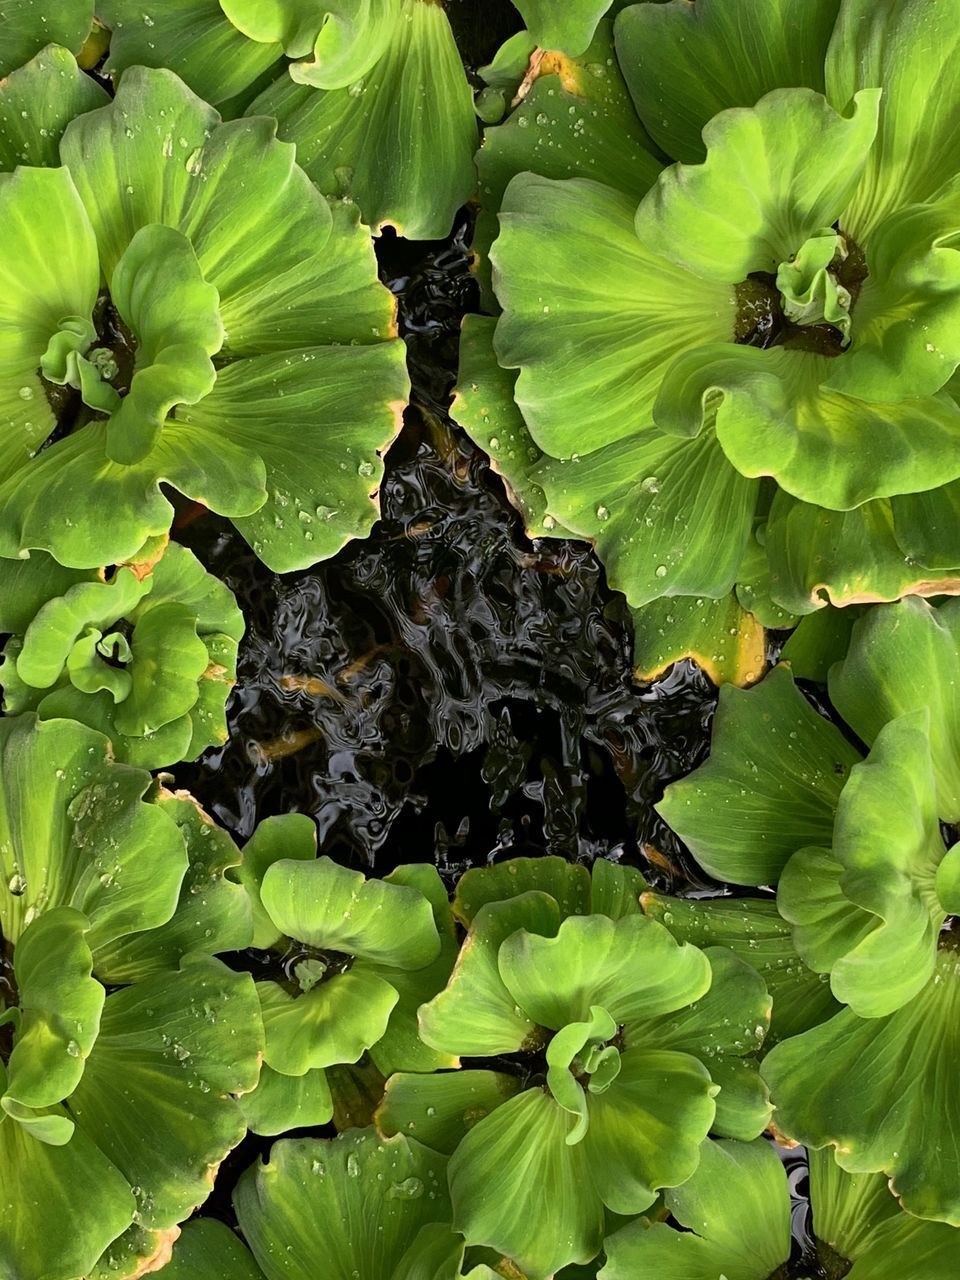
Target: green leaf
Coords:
[(575, 120), (722, 638), (776, 414), (819, 640), (346, 37), (543, 1215), (330, 907), (753, 929), (736, 1206), (570, 29), (879, 935), (38, 207), (334, 1021), (359, 1203), (60, 1003), (925, 527), (292, 836), (208, 1250), (632, 967), (282, 1102), (400, 139), (909, 50), (193, 37), (400, 1047), (901, 658), (62, 1204), (684, 63), (726, 1023), (475, 1015), (570, 270), (28, 25), (157, 1095), (775, 773), (25, 585), (440, 1108), (843, 557), (568, 883), (615, 890), (774, 174), (880, 1091), (162, 297), (38, 100), (75, 832), (212, 914)]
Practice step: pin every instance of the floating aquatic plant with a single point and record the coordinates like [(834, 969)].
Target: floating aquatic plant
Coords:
[(242, 350)]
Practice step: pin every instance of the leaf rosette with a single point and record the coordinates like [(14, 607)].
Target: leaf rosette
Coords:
[(354, 960), (114, 1108), (626, 1049), (770, 321), (146, 654), (375, 97), (209, 320), (866, 883)]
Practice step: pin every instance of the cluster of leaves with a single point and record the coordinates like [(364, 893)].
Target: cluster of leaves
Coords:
[(719, 247)]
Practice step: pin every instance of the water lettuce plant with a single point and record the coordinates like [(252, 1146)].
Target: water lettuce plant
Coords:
[(123, 1042), (736, 1208), (733, 371), (26, 26), (374, 96), (866, 882), (627, 1049), (357, 957), (241, 351), (145, 652)]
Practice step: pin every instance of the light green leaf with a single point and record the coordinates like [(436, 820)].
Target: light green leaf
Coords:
[(909, 50), (208, 1250), (28, 25), (38, 207), (728, 1022), (60, 1004), (330, 907), (632, 967), (774, 174), (615, 890), (736, 1206), (722, 638), (62, 1204), (843, 557), (157, 1095), (880, 933), (283, 1102), (291, 836), (684, 63), (38, 100), (901, 658), (193, 37), (75, 832), (475, 1015), (571, 273), (440, 1108), (400, 139), (754, 930), (576, 120), (776, 414), (213, 914), (162, 297), (819, 640), (543, 1215), (570, 29), (359, 1203), (770, 785), (568, 883), (400, 1047), (880, 1091), (334, 1021)]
